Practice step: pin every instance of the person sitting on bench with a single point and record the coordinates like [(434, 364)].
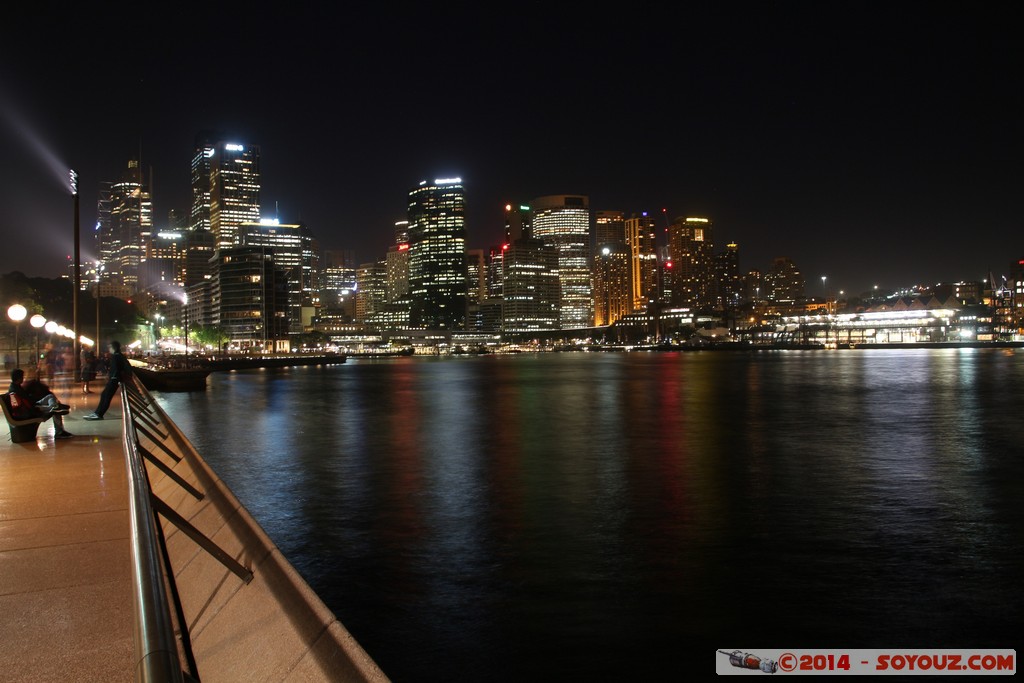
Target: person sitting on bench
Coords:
[(34, 399)]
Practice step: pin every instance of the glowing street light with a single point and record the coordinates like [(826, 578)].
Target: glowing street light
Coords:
[(37, 321), (17, 313)]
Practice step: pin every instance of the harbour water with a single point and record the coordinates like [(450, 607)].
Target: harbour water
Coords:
[(618, 516)]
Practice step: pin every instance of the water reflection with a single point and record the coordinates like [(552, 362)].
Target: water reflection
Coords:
[(576, 514)]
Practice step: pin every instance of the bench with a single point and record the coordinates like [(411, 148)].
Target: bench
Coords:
[(21, 430)]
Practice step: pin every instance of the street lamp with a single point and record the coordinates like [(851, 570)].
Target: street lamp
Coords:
[(17, 313), (37, 321)]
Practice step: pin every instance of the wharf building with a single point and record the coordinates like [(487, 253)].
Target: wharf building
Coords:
[(437, 255)]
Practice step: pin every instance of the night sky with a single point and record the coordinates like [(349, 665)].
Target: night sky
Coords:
[(874, 143)]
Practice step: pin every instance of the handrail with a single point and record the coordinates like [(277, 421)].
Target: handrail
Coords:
[(156, 651)]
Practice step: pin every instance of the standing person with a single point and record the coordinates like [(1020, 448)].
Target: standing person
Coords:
[(33, 398), (88, 369), (119, 371)]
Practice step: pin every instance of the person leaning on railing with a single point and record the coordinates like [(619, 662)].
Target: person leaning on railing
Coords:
[(119, 371)]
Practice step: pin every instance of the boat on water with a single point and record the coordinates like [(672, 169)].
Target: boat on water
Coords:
[(181, 377)]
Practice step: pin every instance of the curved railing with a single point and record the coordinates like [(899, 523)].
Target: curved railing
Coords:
[(210, 588), (156, 650)]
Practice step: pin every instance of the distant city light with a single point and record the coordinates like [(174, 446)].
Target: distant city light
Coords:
[(270, 221), (233, 147), (447, 181)]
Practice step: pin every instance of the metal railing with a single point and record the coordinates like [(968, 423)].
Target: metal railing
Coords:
[(159, 649), (156, 648)]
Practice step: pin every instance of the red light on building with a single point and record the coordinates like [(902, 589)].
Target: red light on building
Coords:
[(403, 247), (504, 247)]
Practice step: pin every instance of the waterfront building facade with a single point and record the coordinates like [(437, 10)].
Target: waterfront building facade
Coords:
[(249, 298), (437, 255), (563, 221), (296, 254)]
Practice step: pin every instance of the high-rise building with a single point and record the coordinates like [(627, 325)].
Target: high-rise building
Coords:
[(728, 285), (691, 244), (123, 240), (531, 292), (296, 253), (563, 221), (476, 276), (225, 188), (612, 291), (249, 298), (397, 265), (609, 228), (643, 260), (437, 255), (783, 282), (371, 289)]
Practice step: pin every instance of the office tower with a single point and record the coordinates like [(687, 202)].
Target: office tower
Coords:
[(249, 298), (163, 266), (643, 260), (397, 265), (371, 289), (612, 291), (517, 223), (124, 237), (727, 283), (104, 254), (753, 286), (476, 275), (532, 293), (295, 252), (563, 221), (225, 187), (495, 273), (783, 282), (609, 228), (437, 255), (199, 249), (690, 244)]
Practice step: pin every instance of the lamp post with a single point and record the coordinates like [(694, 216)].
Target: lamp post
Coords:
[(37, 321), (17, 313), (78, 277), (184, 302)]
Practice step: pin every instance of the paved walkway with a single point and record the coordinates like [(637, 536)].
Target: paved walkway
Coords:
[(65, 562)]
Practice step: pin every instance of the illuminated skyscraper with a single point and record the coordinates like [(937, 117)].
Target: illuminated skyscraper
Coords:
[(225, 188), (690, 246), (296, 254), (609, 228), (397, 265), (130, 223), (643, 260), (437, 255), (728, 285), (612, 292), (531, 292), (563, 221)]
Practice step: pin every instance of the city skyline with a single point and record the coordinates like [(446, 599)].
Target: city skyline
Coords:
[(871, 154)]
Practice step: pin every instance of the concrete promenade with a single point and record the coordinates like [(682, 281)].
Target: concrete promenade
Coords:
[(65, 561)]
